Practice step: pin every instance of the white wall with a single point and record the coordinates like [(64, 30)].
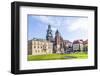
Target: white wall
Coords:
[(5, 41)]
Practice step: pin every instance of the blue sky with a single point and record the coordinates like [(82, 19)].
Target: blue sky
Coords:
[(70, 27)]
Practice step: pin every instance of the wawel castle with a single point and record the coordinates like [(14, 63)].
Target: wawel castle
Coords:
[(55, 44)]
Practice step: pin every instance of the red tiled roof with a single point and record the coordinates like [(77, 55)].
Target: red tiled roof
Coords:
[(77, 41), (86, 41)]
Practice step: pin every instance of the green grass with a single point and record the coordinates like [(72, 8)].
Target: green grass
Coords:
[(58, 56)]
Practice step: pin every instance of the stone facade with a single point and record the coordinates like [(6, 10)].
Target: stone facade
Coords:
[(39, 47), (59, 43), (80, 46)]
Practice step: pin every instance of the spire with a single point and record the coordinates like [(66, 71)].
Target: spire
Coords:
[(49, 35), (57, 33), (49, 26)]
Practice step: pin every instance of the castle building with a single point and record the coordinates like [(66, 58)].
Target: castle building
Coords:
[(39, 47), (55, 45), (68, 46), (78, 46)]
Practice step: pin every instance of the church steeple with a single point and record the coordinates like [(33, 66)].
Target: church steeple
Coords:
[(57, 33), (57, 37), (49, 35)]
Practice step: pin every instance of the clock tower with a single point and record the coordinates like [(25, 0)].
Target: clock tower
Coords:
[(49, 35)]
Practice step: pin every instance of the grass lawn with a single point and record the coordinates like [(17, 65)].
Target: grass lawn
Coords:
[(58, 56)]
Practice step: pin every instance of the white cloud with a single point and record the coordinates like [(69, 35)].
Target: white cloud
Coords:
[(53, 21), (70, 23), (43, 19), (53, 28), (79, 24)]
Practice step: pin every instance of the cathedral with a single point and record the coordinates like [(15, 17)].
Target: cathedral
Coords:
[(59, 45)]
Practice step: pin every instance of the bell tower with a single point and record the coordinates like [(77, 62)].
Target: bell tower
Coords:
[(57, 42), (59, 47), (49, 35)]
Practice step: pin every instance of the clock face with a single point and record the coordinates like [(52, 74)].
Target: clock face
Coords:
[(50, 35), (49, 32)]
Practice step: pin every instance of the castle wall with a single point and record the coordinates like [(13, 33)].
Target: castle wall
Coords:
[(40, 47)]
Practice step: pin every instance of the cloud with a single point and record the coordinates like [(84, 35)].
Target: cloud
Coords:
[(80, 28), (70, 27), (43, 19), (79, 24), (52, 20), (67, 23), (53, 28)]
